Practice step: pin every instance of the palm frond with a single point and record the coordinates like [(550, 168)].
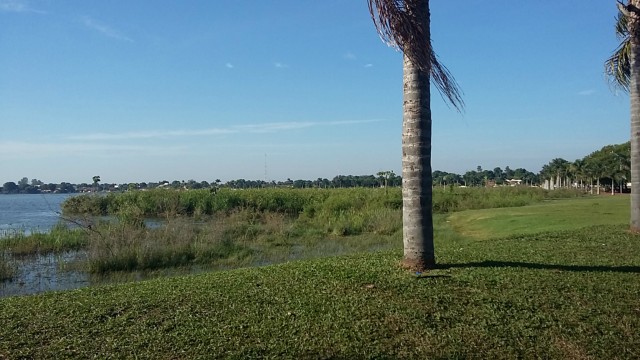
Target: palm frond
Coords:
[(404, 25), (622, 26), (618, 66)]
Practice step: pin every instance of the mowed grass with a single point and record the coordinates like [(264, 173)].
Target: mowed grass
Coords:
[(571, 293), (551, 215)]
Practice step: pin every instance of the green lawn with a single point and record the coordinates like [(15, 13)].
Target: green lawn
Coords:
[(551, 215), (572, 293)]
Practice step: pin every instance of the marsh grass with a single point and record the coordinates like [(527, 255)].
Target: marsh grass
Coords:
[(7, 268), (180, 242), (292, 202), (59, 238), (240, 238), (235, 228)]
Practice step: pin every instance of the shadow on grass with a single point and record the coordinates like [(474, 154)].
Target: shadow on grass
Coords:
[(429, 276), (526, 265)]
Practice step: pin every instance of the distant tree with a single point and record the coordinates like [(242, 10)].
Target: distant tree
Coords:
[(10, 188), (65, 187), (384, 176), (96, 181), (471, 178), (23, 183), (559, 167), (192, 184), (498, 175), (508, 173)]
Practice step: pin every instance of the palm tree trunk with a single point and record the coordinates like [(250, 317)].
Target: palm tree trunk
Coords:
[(417, 221), (634, 96)]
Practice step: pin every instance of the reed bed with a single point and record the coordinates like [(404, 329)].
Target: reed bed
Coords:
[(244, 227)]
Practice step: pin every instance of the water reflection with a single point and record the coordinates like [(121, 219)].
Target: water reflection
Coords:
[(40, 273), (55, 272)]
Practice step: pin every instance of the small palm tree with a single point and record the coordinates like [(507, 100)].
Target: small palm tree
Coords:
[(405, 25), (96, 180), (623, 68)]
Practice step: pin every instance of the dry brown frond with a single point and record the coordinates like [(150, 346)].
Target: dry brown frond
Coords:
[(404, 25)]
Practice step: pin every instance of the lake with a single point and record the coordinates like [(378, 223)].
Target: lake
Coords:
[(29, 212), (46, 272)]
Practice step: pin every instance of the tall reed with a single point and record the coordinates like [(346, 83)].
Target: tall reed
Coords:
[(7, 270)]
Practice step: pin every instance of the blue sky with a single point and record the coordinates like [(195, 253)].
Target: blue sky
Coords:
[(176, 90)]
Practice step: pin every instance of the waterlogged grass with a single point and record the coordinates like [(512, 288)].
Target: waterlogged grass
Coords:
[(242, 238), (59, 238), (7, 271), (548, 216), (569, 294)]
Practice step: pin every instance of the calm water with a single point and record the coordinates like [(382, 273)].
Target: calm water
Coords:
[(45, 272), (29, 212), (36, 212), (48, 272)]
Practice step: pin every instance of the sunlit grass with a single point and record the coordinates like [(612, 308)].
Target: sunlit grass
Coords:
[(547, 216), (568, 294)]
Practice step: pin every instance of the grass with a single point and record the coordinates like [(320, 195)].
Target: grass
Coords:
[(7, 271), (567, 294), (547, 216), (539, 281), (243, 228), (59, 238), (294, 202), (249, 227), (242, 238)]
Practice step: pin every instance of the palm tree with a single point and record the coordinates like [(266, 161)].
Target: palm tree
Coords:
[(405, 25), (96, 180), (546, 176), (558, 168), (578, 170), (623, 67)]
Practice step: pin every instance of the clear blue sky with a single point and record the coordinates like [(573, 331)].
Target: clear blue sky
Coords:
[(152, 90)]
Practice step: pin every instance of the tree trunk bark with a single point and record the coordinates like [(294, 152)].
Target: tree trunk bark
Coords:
[(417, 220), (634, 96)]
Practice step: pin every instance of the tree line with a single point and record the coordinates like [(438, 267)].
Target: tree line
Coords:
[(607, 169)]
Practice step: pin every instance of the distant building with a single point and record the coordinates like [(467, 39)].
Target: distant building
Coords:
[(514, 182)]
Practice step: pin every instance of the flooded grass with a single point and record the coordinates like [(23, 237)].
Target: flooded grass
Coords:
[(45, 272), (60, 238), (7, 270)]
